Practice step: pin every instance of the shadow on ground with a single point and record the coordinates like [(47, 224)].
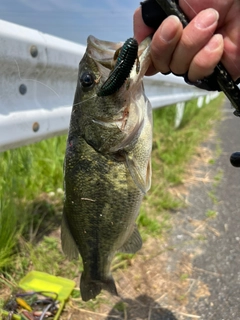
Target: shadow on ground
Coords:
[(45, 217), (142, 308)]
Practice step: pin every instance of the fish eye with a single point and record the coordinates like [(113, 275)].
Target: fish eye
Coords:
[(86, 80)]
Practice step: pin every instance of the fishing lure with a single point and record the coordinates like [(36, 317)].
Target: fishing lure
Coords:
[(125, 61), (22, 303)]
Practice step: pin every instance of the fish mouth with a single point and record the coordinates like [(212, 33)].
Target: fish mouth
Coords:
[(103, 52), (144, 60), (128, 115)]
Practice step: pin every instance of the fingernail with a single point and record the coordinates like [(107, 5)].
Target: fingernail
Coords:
[(215, 42), (168, 30), (207, 18)]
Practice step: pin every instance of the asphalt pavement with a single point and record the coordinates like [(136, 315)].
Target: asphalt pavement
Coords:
[(221, 256), (215, 251)]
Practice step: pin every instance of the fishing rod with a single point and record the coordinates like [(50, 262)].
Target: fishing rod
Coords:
[(153, 13)]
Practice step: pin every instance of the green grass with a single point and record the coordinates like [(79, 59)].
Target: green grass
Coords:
[(28, 175), (172, 151), (218, 177), (31, 191), (10, 222), (9, 237), (184, 276), (212, 195), (211, 214), (53, 263)]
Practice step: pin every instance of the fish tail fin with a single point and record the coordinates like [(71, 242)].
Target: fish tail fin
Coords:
[(91, 288)]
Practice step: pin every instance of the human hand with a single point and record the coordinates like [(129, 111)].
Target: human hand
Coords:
[(195, 49)]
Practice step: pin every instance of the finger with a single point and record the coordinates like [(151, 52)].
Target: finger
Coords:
[(194, 37), (230, 58), (164, 42), (206, 59), (192, 7), (140, 30)]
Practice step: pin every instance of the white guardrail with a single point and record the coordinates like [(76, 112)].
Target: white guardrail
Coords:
[(38, 80)]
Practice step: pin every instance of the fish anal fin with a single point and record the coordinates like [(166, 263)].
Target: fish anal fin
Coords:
[(134, 242), (69, 246), (91, 288)]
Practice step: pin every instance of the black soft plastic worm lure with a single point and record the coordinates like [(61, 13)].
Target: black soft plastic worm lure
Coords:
[(125, 61)]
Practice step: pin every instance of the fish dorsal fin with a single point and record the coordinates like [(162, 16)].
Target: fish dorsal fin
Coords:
[(69, 246), (134, 242), (135, 173)]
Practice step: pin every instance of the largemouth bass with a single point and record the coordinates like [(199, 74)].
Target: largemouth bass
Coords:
[(107, 167)]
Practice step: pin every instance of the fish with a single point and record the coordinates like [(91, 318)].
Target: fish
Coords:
[(125, 59), (107, 165)]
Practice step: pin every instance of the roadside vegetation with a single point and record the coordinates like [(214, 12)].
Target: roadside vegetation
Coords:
[(31, 195)]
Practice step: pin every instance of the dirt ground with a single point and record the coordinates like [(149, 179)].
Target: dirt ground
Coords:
[(149, 289)]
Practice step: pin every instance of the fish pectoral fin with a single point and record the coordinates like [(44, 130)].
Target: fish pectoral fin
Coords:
[(149, 175), (135, 173), (69, 246), (130, 139), (133, 244)]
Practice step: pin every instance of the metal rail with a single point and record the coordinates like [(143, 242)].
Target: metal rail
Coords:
[(37, 84)]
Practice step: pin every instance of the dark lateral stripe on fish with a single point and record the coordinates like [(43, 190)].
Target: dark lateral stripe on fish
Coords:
[(122, 69)]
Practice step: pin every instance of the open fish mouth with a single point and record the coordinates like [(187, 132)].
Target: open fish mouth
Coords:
[(128, 119), (104, 53)]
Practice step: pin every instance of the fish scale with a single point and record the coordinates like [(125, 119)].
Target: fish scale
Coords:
[(107, 169)]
